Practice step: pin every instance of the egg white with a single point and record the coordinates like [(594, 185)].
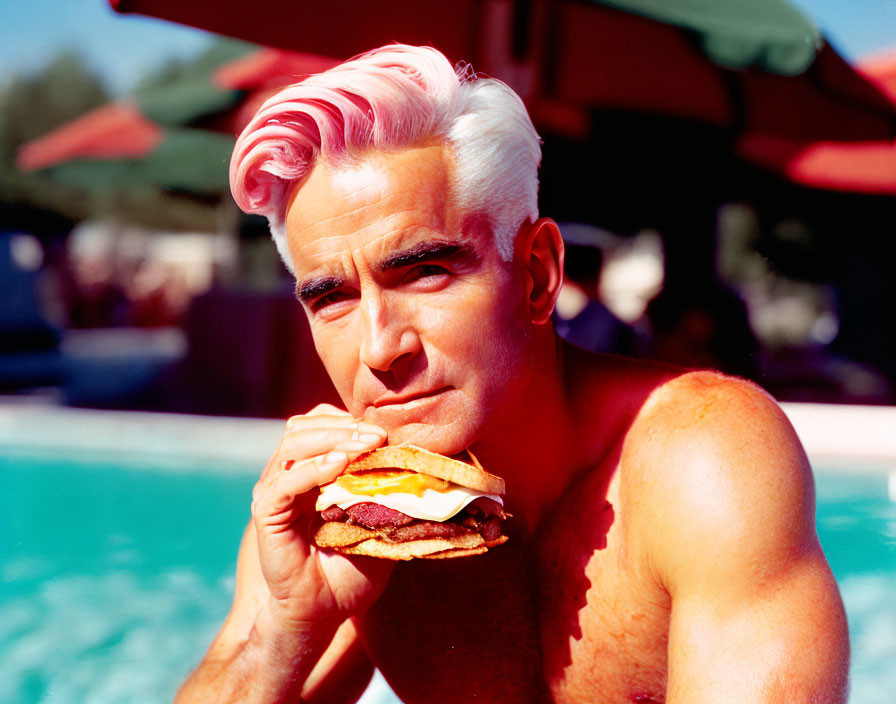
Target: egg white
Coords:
[(432, 506)]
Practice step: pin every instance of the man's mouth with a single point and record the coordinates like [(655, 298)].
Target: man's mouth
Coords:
[(401, 399)]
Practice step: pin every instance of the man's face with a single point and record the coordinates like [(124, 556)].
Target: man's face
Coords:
[(421, 326)]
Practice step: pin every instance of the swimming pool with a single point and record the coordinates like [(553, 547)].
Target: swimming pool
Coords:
[(117, 569)]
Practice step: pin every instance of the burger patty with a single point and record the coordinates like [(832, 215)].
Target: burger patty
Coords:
[(481, 516), (376, 516), (424, 530)]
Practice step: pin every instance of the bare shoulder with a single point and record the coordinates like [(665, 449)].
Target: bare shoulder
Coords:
[(700, 416), (707, 396), (720, 510), (712, 460)]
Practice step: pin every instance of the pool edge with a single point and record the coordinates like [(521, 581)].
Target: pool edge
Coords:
[(854, 437)]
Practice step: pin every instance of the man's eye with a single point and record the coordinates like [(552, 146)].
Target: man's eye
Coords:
[(330, 299), (426, 270)]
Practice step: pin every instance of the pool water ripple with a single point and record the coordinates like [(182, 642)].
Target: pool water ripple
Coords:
[(108, 638), (115, 580)]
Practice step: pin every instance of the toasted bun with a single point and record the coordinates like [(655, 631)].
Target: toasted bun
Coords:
[(416, 459), (356, 540)]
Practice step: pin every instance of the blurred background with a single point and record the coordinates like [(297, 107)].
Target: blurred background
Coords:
[(725, 180), (724, 174)]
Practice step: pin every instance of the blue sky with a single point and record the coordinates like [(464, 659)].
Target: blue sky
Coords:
[(854, 27), (123, 47), (120, 47)]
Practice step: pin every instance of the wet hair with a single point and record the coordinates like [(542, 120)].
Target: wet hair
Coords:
[(394, 97)]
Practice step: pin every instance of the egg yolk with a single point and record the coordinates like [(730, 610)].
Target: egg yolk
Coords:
[(390, 482)]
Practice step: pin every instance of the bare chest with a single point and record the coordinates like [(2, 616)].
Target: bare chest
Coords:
[(603, 623), (567, 619)]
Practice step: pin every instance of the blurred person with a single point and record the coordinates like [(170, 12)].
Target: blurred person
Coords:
[(703, 327), (94, 297), (588, 323), (663, 546), (23, 325), (158, 293), (29, 341)]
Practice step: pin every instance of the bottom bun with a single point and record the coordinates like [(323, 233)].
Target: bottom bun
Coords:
[(350, 539)]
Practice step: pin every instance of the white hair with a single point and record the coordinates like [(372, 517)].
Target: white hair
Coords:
[(394, 97)]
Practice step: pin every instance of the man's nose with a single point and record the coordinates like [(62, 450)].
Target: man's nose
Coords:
[(388, 334)]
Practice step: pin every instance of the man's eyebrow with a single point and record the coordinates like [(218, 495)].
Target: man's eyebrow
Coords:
[(426, 252), (310, 289)]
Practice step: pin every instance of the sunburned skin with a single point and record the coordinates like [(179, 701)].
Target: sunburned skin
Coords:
[(409, 285), (581, 607), (578, 618), (662, 546)]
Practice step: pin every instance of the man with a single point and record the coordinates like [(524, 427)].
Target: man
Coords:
[(663, 547), (582, 318)]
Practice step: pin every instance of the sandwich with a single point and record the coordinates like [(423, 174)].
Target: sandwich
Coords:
[(401, 502)]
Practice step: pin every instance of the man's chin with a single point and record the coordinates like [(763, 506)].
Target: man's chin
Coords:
[(437, 438), (441, 423)]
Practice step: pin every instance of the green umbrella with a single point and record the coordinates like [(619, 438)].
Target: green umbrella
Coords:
[(155, 138), (191, 95), (186, 159), (746, 65), (769, 34)]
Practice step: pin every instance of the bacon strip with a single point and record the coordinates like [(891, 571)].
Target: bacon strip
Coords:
[(482, 516)]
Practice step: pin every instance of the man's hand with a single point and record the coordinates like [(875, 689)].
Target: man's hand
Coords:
[(288, 634), (308, 585)]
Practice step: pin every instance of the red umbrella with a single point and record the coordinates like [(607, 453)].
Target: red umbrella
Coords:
[(866, 166), (116, 145), (269, 68), (565, 57), (121, 130), (113, 131), (259, 75), (858, 167), (880, 69)]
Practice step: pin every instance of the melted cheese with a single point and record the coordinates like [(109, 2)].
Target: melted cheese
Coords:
[(430, 506), (391, 482)]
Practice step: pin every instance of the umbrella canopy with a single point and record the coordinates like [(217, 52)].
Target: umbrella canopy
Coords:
[(866, 166), (260, 74), (269, 68), (858, 167), (673, 58), (880, 69), (115, 145), (143, 140), (114, 131), (184, 159), (768, 34), (158, 137), (191, 96)]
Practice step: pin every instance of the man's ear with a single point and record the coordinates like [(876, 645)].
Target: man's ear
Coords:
[(540, 251)]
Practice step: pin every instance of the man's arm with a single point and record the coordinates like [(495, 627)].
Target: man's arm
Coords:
[(756, 614), (289, 633), (250, 661)]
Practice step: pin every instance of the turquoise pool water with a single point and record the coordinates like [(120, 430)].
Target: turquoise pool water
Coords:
[(115, 577)]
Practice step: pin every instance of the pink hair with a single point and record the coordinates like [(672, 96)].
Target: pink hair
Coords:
[(393, 97)]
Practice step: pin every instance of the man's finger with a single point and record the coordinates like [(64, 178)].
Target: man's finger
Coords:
[(278, 496), (305, 444), (326, 409), (323, 434)]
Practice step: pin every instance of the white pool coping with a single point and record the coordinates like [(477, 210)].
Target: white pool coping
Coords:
[(853, 437), (832, 432), (217, 443)]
